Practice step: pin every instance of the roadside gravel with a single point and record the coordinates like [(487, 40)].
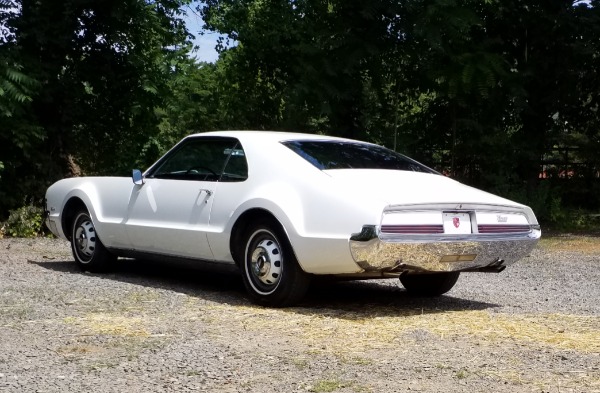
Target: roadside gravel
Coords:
[(148, 327)]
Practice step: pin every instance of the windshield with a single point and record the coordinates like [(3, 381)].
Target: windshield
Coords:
[(346, 154)]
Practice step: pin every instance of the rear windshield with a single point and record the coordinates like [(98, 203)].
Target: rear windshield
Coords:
[(345, 155)]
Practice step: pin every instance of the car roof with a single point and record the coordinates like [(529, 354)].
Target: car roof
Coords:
[(272, 136)]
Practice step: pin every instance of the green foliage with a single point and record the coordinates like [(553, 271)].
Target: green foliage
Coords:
[(481, 89), (299, 65), (484, 90), (544, 200), (26, 221), (80, 87), (111, 60), (553, 215), (574, 221), (13, 89)]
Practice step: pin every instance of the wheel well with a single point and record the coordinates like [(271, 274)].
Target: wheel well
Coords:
[(236, 242), (72, 206)]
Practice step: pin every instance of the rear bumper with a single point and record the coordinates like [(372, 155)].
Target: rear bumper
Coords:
[(441, 253)]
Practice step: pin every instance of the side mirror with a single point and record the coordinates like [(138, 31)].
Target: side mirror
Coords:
[(137, 177)]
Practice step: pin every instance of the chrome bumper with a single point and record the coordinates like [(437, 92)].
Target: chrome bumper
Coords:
[(439, 253)]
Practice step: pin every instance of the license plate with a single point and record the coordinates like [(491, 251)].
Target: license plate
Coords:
[(457, 223)]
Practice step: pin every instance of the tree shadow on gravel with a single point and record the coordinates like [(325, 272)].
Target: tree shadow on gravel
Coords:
[(223, 284)]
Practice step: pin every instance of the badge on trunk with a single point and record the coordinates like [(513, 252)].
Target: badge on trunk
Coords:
[(457, 223)]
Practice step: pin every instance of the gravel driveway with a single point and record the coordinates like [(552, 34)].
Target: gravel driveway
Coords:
[(160, 328)]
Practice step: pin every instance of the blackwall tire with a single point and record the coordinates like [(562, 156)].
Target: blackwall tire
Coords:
[(271, 273), (88, 251), (433, 284)]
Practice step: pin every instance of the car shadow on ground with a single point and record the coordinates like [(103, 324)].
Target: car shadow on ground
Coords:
[(223, 284)]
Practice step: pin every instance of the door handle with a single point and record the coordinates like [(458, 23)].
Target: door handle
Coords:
[(208, 194)]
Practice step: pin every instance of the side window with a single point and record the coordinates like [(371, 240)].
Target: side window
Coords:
[(197, 159), (236, 168)]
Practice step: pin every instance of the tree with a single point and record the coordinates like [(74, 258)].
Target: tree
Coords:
[(308, 59), (19, 135), (103, 68), (481, 88)]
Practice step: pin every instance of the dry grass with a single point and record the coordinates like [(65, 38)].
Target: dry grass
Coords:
[(354, 332), (353, 336), (110, 325), (357, 336), (104, 339), (548, 380), (570, 243)]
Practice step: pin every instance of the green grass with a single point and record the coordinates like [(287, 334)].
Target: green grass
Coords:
[(327, 385)]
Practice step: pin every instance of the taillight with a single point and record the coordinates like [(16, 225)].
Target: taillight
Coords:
[(503, 228), (412, 229)]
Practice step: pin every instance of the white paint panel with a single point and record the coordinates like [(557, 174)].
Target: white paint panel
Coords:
[(501, 218), (412, 218)]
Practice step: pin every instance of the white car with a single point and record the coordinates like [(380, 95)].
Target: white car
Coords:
[(285, 207)]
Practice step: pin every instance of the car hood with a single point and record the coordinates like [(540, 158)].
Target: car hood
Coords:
[(405, 187)]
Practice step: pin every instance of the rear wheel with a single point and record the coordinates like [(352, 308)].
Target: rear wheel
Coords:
[(270, 270), (88, 251), (432, 284)]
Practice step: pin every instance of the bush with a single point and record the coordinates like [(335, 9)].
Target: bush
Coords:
[(576, 220), (548, 204), (26, 221), (544, 200)]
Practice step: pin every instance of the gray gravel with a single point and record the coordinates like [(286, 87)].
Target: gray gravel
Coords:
[(161, 328)]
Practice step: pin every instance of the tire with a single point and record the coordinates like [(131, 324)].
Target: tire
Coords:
[(88, 251), (432, 284), (271, 273)]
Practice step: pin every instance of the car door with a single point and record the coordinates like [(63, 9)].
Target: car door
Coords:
[(169, 213)]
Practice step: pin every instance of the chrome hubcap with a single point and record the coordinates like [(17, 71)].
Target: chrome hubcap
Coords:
[(266, 262), (85, 239)]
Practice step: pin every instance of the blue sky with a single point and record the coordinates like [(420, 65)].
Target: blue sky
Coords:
[(206, 41)]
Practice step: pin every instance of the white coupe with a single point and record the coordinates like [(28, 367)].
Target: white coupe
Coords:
[(285, 207)]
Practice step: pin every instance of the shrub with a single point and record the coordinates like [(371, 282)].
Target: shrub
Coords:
[(26, 221)]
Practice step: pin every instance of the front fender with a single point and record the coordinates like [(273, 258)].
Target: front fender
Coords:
[(105, 198)]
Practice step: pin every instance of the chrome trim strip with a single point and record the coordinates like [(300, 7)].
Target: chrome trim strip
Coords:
[(455, 207), (443, 238)]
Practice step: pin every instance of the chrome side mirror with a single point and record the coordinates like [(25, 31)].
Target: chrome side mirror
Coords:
[(137, 177)]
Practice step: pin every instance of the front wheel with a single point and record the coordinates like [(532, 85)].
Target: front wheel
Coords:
[(271, 273), (431, 284), (88, 251)]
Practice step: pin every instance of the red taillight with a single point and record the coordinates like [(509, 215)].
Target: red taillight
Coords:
[(412, 229), (503, 228)]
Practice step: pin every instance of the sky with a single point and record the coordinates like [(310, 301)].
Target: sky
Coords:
[(206, 41)]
